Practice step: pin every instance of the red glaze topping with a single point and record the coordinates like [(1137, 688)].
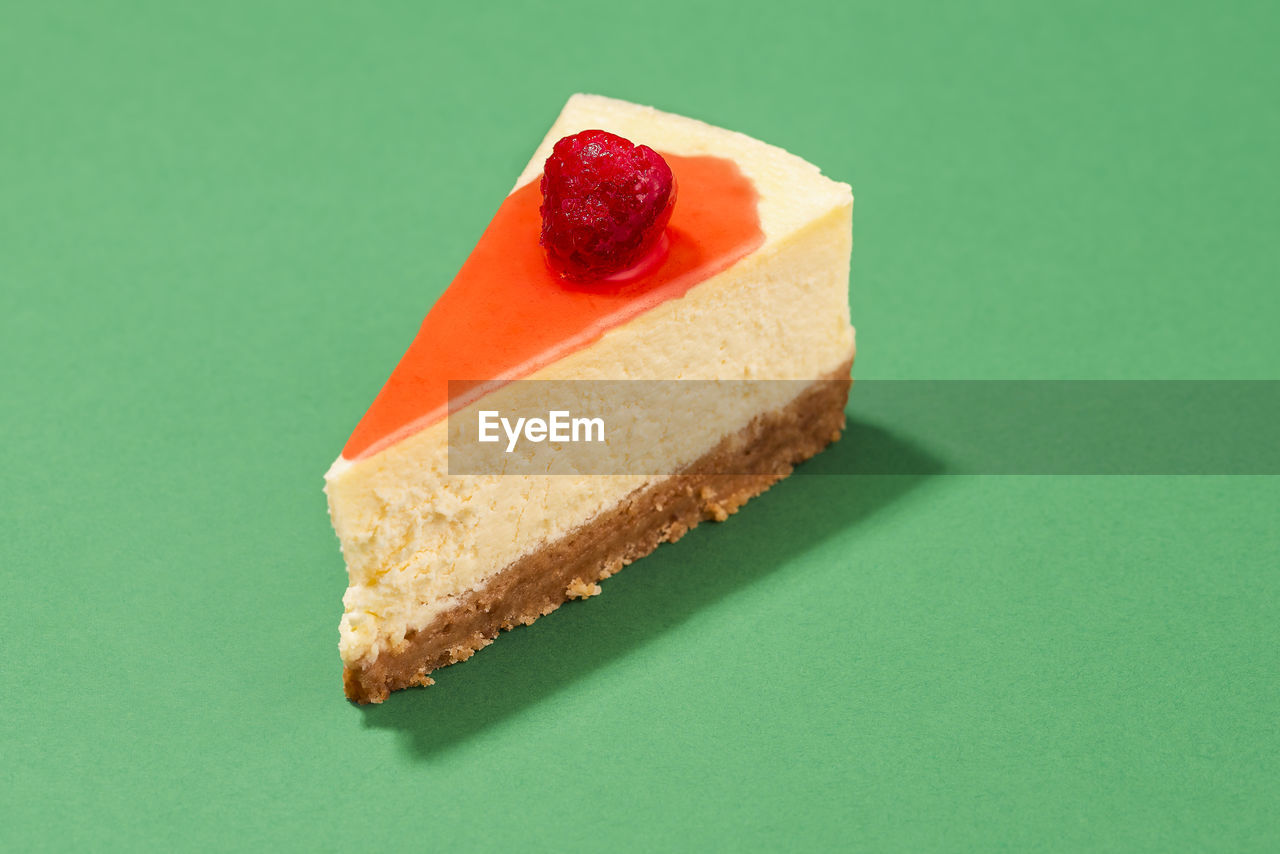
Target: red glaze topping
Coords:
[(507, 314), (605, 203)]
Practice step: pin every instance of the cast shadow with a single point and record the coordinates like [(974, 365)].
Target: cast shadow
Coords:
[(833, 492)]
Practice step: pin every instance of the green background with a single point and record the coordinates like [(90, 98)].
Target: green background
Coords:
[(220, 225)]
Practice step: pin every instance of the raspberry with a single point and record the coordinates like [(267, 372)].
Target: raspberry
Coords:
[(605, 203)]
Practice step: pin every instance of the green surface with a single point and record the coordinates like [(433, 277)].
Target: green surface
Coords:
[(219, 227)]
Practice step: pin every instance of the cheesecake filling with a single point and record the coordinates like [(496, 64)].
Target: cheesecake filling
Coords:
[(572, 566)]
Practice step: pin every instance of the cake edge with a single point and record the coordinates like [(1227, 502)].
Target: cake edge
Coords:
[(571, 566)]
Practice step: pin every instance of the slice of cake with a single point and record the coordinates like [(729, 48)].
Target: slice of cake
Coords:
[(730, 262)]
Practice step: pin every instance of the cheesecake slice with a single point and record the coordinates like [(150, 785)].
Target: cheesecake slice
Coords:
[(750, 286)]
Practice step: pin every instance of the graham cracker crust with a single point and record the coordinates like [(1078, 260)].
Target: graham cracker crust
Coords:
[(569, 568)]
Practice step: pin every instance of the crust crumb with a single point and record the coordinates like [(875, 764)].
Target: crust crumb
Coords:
[(579, 589)]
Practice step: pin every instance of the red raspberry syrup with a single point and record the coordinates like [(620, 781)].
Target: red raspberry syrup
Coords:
[(508, 313)]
